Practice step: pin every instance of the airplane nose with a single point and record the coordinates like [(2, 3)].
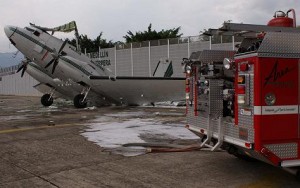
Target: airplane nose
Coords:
[(9, 30)]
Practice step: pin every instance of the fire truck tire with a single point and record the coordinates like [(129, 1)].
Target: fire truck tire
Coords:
[(298, 175), (232, 150), (244, 157), (79, 102), (46, 100), (203, 138), (132, 104)]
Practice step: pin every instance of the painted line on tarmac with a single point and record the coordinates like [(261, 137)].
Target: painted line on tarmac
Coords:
[(34, 128)]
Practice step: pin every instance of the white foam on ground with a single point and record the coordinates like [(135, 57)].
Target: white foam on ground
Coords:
[(49, 109), (126, 114), (91, 108), (6, 118), (114, 134), (22, 111)]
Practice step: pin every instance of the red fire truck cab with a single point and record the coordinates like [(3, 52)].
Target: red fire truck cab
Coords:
[(247, 102)]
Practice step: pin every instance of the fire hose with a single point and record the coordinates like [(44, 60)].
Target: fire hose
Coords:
[(161, 148)]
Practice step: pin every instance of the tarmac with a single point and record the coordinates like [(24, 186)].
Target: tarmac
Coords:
[(46, 147)]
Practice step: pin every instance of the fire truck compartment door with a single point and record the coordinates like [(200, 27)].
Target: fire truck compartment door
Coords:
[(279, 99)]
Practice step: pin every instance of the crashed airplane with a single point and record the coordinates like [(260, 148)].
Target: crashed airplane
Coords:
[(61, 61)]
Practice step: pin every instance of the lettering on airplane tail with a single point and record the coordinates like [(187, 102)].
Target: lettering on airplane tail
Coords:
[(101, 58), (103, 54), (104, 62)]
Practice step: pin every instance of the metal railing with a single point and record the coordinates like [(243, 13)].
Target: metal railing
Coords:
[(200, 38), (8, 70), (141, 58)]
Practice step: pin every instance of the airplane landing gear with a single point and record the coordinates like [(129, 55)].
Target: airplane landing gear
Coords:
[(80, 99), (47, 100)]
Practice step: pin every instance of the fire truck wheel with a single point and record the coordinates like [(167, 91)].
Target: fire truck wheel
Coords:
[(47, 100), (298, 175), (203, 138), (244, 157), (214, 141), (132, 104)]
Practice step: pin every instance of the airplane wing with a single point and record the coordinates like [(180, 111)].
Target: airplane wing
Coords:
[(140, 90), (60, 91), (45, 88), (68, 92)]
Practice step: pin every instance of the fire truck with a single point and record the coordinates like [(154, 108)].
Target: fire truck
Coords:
[(247, 101)]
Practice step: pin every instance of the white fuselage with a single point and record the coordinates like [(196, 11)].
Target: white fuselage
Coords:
[(38, 46), (41, 48)]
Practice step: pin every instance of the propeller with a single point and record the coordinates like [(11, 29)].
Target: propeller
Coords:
[(23, 67), (56, 55)]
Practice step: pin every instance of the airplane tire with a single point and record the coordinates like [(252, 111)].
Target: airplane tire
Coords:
[(46, 100), (78, 101)]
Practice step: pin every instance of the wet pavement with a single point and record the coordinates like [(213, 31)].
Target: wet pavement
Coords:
[(62, 146)]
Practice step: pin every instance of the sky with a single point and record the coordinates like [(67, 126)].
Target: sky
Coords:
[(115, 17)]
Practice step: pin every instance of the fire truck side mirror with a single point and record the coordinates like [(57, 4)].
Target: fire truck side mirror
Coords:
[(188, 69), (186, 65), (228, 63)]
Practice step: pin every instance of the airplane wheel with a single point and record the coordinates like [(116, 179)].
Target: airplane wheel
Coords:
[(79, 102), (47, 100)]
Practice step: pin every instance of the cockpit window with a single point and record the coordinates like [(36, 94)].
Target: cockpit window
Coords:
[(36, 33), (29, 29), (92, 66)]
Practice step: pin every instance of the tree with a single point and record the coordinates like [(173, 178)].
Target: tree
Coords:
[(152, 34), (102, 42), (92, 45)]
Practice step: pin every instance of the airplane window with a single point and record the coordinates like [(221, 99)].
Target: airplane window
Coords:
[(13, 42), (36, 33), (29, 29), (92, 66)]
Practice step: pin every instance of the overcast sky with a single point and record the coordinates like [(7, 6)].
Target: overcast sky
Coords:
[(115, 17)]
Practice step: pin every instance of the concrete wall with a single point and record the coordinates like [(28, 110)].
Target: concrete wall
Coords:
[(15, 85)]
